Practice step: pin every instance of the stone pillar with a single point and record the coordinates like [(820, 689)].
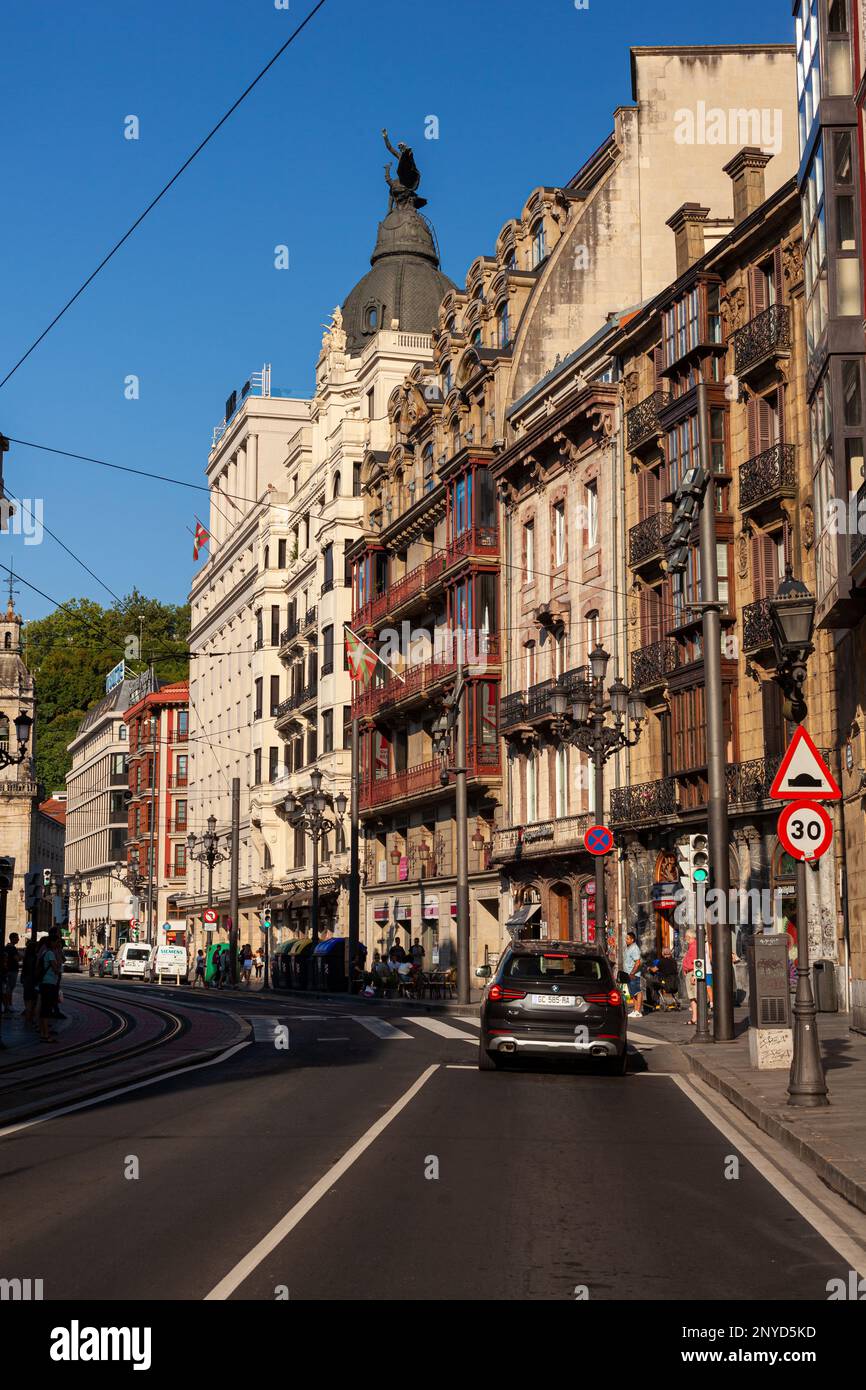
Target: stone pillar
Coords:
[(253, 466)]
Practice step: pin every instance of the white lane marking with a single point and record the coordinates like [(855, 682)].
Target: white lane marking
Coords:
[(311, 1018), (245, 1267), (437, 1026), (473, 1022), (264, 1029), (460, 1066), (851, 1252), (652, 1039), (122, 1091), (380, 1028), (332, 1039)]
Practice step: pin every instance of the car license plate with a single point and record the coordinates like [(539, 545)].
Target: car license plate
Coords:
[(553, 1001)]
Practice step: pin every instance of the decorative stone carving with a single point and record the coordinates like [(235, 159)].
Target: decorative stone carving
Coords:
[(632, 385), (535, 471), (334, 336), (508, 495), (733, 307), (742, 555), (569, 454), (601, 422), (792, 262), (808, 513), (633, 607)]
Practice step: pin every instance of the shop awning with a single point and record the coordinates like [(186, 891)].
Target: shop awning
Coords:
[(333, 943), (523, 916)]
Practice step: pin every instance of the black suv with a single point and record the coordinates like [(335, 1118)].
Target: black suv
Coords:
[(553, 998)]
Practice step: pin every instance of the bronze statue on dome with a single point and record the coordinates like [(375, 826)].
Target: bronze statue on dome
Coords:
[(404, 188)]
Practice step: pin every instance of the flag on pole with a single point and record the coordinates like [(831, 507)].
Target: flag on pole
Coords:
[(201, 539), (362, 658)]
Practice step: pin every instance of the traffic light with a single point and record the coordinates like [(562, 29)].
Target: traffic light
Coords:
[(32, 889), (46, 878), (684, 865), (700, 858), (687, 505), (7, 873), (266, 919)]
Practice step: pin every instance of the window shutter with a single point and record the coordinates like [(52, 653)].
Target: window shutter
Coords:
[(778, 277), (757, 291), (649, 492), (659, 381), (764, 581)]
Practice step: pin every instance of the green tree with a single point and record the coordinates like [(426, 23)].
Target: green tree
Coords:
[(71, 651)]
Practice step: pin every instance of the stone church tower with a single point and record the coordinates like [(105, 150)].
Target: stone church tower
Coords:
[(18, 789)]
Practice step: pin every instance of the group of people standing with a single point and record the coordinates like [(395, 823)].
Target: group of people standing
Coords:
[(40, 969), (221, 977)]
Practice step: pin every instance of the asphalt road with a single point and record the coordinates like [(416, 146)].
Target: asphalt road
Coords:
[(528, 1184)]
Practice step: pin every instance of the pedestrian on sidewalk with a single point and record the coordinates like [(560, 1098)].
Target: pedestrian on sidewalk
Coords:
[(199, 965), (226, 967), (28, 982), (11, 964), (688, 968), (259, 962), (247, 964), (49, 967), (632, 966)]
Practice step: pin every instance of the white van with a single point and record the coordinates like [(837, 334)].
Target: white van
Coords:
[(131, 961), (165, 961)]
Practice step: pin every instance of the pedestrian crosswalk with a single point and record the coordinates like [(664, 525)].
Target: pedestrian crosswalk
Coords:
[(409, 1028)]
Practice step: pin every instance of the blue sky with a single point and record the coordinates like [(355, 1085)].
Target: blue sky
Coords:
[(523, 89)]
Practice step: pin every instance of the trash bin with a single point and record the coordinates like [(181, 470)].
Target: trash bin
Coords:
[(282, 974), (824, 973), (329, 964), (299, 964)]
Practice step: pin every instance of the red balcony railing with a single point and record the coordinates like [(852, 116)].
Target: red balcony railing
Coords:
[(480, 762), (417, 679), (479, 540)]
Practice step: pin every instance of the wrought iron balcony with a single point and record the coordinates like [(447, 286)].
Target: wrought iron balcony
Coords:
[(751, 781), (539, 700), (646, 540), (757, 626), (768, 477), (289, 633), (645, 802), (651, 665), (512, 711), (563, 835), (311, 616), (762, 337), (642, 421)]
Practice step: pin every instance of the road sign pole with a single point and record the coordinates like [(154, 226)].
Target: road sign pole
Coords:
[(702, 1032), (807, 1086)]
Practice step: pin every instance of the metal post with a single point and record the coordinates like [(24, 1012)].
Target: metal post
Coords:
[(210, 880), (461, 813), (600, 890), (702, 1032), (314, 913), (717, 795), (807, 1086), (354, 857), (2, 950), (234, 899)]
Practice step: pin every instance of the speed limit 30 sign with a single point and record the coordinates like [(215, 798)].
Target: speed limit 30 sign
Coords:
[(805, 830)]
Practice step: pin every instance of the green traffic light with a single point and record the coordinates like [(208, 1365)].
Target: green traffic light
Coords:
[(700, 875)]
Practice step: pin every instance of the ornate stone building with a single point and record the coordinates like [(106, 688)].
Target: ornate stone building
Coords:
[(734, 314), (19, 794)]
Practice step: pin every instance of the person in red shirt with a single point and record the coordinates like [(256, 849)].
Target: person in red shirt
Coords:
[(688, 966)]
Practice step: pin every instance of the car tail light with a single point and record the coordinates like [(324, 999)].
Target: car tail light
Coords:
[(613, 998), (497, 993)]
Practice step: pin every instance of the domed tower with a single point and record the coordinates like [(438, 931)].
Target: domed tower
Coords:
[(405, 285)]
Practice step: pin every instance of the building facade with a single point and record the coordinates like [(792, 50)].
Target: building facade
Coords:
[(735, 316), (19, 793), (158, 767), (97, 818)]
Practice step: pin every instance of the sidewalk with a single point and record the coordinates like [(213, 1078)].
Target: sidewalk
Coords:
[(83, 1023), (831, 1139)]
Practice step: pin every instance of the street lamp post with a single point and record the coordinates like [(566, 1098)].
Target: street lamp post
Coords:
[(205, 849), (131, 877), (587, 727), (267, 883), (78, 886), (792, 612), (309, 812), (23, 725)]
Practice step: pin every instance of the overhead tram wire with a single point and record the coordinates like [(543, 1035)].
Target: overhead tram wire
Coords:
[(257, 501), (64, 546), (161, 194)]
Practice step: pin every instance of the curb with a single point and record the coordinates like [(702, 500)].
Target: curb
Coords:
[(773, 1124)]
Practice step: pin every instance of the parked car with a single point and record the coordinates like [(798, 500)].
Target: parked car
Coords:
[(71, 960), (553, 999), (132, 960), (103, 964)]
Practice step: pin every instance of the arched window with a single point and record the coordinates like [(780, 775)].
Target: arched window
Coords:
[(267, 563), (503, 326), (336, 492), (593, 631), (539, 250), (267, 864), (447, 380), (4, 731), (429, 481), (371, 318)]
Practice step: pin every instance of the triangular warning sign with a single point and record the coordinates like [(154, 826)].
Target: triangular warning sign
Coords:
[(803, 774)]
